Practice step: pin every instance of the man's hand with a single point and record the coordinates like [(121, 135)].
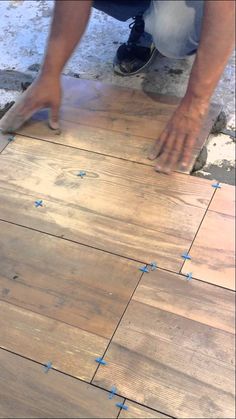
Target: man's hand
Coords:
[(69, 22), (173, 149), (45, 92)]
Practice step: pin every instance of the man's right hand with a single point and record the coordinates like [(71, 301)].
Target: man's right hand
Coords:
[(45, 92)]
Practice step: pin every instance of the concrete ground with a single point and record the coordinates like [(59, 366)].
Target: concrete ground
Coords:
[(23, 33)]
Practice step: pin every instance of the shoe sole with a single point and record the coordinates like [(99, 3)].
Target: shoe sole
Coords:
[(153, 55)]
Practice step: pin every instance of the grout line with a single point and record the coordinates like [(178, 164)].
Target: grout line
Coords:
[(89, 151), (78, 379), (73, 241), (84, 244), (114, 254), (54, 369), (95, 127), (118, 324), (120, 408), (109, 155), (203, 281), (4, 147), (210, 119), (148, 407), (195, 235)]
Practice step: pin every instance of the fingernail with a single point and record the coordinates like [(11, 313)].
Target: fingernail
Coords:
[(53, 125), (151, 156), (183, 166)]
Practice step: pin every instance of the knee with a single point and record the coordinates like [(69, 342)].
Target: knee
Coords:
[(171, 38), (174, 33), (173, 43)]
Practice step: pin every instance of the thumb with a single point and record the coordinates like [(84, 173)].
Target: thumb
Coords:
[(54, 117)]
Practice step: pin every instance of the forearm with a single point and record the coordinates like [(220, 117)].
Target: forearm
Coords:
[(69, 22), (216, 44)]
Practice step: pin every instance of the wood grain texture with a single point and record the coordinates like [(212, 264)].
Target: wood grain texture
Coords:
[(70, 349), (98, 140), (112, 120), (224, 200), (121, 207), (193, 299), (137, 411), (171, 363), (27, 392), (213, 251), (65, 281)]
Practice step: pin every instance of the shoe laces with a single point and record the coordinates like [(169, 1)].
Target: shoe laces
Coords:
[(136, 20)]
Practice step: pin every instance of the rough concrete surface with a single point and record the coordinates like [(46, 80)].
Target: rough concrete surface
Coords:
[(23, 32)]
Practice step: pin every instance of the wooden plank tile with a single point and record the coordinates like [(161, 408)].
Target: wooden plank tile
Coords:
[(58, 279), (137, 411), (224, 200), (171, 363), (111, 120), (213, 251), (70, 349), (119, 206), (99, 140), (193, 299), (27, 392)]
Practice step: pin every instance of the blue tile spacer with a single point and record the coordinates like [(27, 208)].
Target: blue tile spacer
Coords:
[(216, 185), (38, 203), (186, 256), (81, 174), (11, 138), (189, 276), (122, 406), (153, 266), (48, 366), (101, 361), (112, 392), (144, 269)]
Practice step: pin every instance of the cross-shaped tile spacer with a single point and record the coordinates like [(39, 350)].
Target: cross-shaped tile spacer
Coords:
[(186, 256), (122, 406), (144, 269), (38, 203), (81, 174), (101, 361), (153, 266), (216, 185), (112, 392), (189, 276), (48, 366), (11, 138)]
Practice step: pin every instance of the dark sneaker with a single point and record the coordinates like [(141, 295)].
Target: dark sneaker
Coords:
[(137, 53)]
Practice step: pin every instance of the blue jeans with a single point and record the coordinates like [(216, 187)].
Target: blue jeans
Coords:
[(175, 25)]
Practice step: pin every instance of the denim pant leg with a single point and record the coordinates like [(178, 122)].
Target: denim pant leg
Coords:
[(175, 26), (122, 9)]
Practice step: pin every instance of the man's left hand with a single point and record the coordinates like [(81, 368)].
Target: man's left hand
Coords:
[(173, 149)]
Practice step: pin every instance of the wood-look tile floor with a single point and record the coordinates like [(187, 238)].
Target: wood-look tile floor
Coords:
[(71, 286)]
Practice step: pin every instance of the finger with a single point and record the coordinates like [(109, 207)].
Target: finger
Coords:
[(187, 152), (54, 117), (176, 154), (156, 149), (162, 161), (17, 115)]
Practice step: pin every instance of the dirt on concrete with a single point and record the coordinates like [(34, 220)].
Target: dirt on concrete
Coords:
[(224, 173), (12, 80), (6, 108)]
